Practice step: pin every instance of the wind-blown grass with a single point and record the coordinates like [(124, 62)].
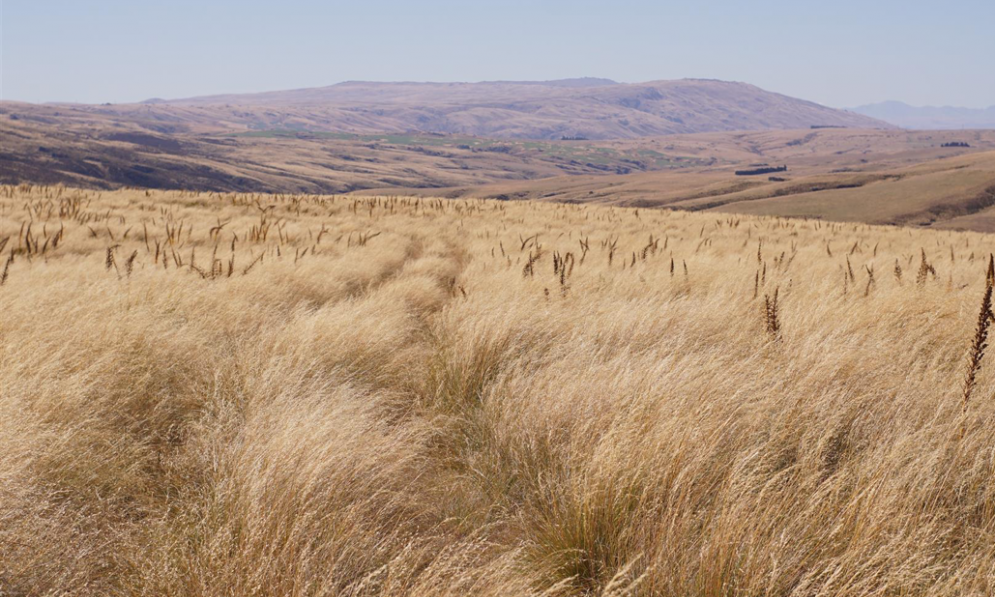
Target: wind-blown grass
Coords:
[(335, 396)]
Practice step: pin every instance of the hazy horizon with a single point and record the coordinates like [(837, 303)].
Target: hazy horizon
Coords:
[(889, 101), (170, 98), (855, 54)]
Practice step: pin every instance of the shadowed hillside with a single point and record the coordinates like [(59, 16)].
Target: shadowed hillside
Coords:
[(880, 177)]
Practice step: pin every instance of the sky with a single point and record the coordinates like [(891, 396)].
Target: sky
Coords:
[(840, 53)]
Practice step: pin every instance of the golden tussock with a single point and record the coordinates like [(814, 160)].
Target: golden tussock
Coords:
[(214, 394)]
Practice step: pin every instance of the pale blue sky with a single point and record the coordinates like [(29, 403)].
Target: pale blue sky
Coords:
[(840, 53)]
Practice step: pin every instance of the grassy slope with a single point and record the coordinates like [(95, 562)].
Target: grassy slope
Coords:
[(918, 195), (97, 154), (53, 144), (921, 187), (377, 401)]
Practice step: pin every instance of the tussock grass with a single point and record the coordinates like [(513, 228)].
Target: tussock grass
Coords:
[(215, 394)]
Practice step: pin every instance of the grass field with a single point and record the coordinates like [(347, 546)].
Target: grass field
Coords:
[(238, 395), (955, 191)]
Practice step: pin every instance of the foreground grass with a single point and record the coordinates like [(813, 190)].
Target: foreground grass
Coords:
[(259, 395)]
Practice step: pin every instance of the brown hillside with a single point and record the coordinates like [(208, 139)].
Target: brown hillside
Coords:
[(504, 110)]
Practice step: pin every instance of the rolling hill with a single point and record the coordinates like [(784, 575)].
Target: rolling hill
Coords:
[(47, 144), (587, 108), (475, 140), (878, 177), (841, 174)]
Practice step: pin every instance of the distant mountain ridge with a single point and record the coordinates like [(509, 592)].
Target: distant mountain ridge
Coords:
[(575, 82), (929, 117), (589, 108)]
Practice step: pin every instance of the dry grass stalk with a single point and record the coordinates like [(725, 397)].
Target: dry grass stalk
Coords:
[(870, 280), (6, 268), (980, 340), (109, 261), (925, 269), (129, 265), (772, 315)]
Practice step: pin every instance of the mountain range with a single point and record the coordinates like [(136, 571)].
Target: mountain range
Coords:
[(688, 144), (930, 117), (586, 108)]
